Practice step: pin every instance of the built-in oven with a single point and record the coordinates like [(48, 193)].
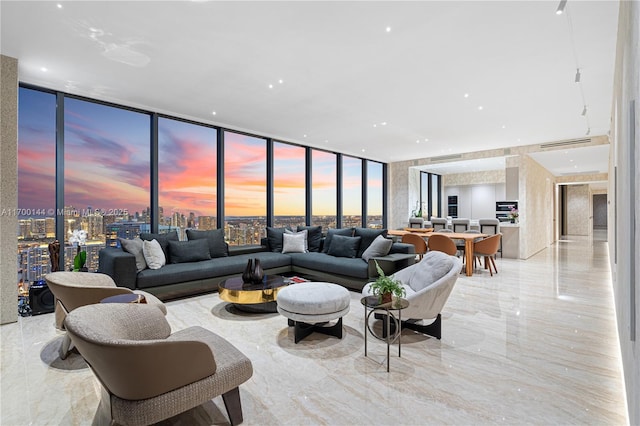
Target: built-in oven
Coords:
[(503, 210)]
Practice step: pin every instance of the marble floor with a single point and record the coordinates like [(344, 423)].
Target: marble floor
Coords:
[(535, 344)]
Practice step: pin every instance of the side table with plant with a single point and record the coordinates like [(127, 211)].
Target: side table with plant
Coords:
[(385, 287)]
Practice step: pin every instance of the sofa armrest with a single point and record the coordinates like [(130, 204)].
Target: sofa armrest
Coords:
[(391, 263), (119, 265), (402, 248)]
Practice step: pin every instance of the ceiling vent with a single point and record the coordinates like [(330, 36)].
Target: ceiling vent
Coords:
[(588, 172), (446, 158), (562, 144)]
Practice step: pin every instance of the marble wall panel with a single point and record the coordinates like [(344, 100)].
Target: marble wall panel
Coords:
[(8, 189)]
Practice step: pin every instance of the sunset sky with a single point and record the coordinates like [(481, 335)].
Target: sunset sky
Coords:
[(107, 165)]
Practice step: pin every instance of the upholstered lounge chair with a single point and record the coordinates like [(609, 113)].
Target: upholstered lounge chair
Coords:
[(428, 285), (75, 289), (149, 374)]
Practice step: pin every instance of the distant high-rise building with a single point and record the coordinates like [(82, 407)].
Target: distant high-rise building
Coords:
[(206, 223), (50, 227)]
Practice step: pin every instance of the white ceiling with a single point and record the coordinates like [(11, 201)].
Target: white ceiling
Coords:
[(342, 71)]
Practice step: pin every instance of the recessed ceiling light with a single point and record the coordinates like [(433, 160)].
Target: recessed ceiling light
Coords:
[(213, 113), (518, 139), (375, 125), (384, 123), (271, 86), (504, 127), (466, 95), (480, 108), (388, 29), (304, 136), (426, 140), (281, 81), (59, 6), (571, 160), (418, 141), (43, 69), (362, 149)]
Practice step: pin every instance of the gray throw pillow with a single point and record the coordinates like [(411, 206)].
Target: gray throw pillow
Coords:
[(379, 247), (215, 238), (163, 239), (433, 266), (342, 246), (347, 232), (274, 239), (135, 248), (314, 236), (189, 251), (368, 235)]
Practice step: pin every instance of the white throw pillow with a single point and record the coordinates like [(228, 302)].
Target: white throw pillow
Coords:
[(306, 242), (153, 254), (294, 243)]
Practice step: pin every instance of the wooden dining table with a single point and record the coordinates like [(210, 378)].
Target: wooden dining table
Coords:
[(468, 238)]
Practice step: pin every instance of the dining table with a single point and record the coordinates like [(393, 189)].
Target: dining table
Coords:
[(468, 238)]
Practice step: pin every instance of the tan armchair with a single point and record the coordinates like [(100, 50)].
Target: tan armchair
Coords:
[(75, 289), (149, 374)]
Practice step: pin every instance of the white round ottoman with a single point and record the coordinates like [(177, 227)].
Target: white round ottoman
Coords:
[(310, 305)]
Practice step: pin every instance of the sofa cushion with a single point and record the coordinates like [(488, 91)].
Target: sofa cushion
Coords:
[(163, 239), (379, 247), (342, 246), (134, 247), (189, 251), (294, 243), (367, 235), (347, 232), (274, 239), (215, 238), (314, 237), (352, 267), (153, 254)]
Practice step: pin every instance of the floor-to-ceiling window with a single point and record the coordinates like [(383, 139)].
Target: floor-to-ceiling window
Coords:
[(289, 191), (245, 188), (36, 182), (351, 192), (375, 193), (324, 189), (187, 169), (430, 192), (106, 175)]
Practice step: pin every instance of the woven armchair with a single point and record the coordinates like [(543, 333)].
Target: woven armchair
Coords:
[(149, 374)]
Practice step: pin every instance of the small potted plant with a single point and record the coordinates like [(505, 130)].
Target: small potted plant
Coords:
[(385, 287)]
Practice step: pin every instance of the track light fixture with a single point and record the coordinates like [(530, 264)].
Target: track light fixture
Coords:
[(577, 75), (588, 131), (560, 9), (584, 111)]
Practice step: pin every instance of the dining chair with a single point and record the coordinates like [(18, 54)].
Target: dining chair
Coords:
[(438, 223), (441, 242), (488, 248), (418, 242), (490, 226)]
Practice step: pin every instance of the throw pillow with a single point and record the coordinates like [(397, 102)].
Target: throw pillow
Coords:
[(433, 266), (314, 236), (163, 239), (189, 251), (347, 232), (153, 254), (215, 238), (368, 235), (379, 247), (305, 233), (294, 243), (343, 246), (274, 239), (135, 248)]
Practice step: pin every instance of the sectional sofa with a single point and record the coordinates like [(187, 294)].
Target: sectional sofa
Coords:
[(343, 256)]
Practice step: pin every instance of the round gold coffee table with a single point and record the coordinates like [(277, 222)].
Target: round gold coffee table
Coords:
[(251, 297)]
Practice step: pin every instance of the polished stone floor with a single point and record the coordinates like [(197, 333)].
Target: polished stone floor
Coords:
[(535, 344)]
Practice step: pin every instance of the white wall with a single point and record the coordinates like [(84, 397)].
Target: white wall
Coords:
[(625, 206)]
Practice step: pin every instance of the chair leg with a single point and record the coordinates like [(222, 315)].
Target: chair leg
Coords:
[(232, 404), (434, 329), (493, 262), (66, 346)]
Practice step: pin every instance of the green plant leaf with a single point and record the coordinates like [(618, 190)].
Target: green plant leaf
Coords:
[(79, 260)]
